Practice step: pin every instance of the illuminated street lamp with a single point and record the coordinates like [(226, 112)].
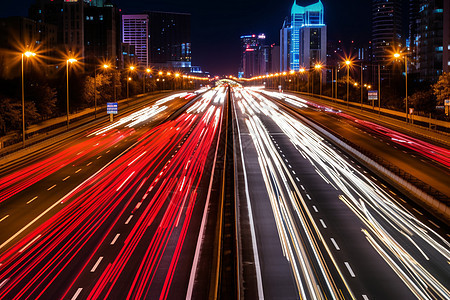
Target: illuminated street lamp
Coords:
[(318, 67), (105, 67), (397, 56), (27, 54), (71, 61), (348, 63), (129, 79)]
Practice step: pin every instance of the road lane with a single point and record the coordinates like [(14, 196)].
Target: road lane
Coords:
[(345, 207)]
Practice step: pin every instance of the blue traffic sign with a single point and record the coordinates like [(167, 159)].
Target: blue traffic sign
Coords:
[(112, 108)]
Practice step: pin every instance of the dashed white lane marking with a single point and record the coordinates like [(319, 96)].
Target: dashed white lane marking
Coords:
[(30, 201), (89, 164), (293, 172), (75, 296), (128, 220), (303, 188), (418, 212), (349, 269), (365, 297), (108, 151), (308, 196), (99, 157), (77, 171), (96, 264), (434, 224), (315, 209), (138, 205), (115, 239), (335, 244), (323, 223), (290, 166), (66, 178), (50, 188), (297, 179), (2, 219)]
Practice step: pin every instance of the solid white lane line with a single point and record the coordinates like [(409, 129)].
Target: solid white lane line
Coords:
[(335, 244), (96, 264), (66, 178), (115, 239), (128, 220), (50, 188), (75, 296), (30, 201), (349, 269), (4, 218), (323, 223)]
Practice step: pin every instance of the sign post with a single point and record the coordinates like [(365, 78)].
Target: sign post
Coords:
[(373, 96), (447, 106), (112, 108)]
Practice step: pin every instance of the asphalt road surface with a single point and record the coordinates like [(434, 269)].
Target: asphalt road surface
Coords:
[(116, 213), (316, 225)]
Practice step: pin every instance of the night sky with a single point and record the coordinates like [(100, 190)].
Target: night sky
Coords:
[(217, 25)]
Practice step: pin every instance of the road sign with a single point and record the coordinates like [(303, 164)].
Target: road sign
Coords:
[(447, 102), (373, 95), (112, 108)]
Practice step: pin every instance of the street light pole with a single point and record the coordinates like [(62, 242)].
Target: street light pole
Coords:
[(362, 86), (95, 93), (406, 84), (27, 54), (67, 98), (70, 60), (379, 89), (23, 108), (348, 81)]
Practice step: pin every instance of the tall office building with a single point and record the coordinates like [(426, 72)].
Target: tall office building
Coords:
[(253, 55), (170, 39), (308, 35), (102, 33), (427, 20), (135, 32), (386, 29), (446, 38), (285, 45), (160, 39), (68, 16)]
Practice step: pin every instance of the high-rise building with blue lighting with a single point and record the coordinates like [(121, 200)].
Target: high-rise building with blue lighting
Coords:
[(308, 35)]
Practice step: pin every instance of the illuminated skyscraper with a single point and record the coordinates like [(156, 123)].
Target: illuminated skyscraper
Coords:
[(308, 36), (135, 32), (253, 60), (386, 29)]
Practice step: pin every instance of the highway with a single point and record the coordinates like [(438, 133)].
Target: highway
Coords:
[(314, 224), (116, 213)]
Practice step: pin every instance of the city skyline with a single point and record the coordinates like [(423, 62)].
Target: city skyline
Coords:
[(219, 53)]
